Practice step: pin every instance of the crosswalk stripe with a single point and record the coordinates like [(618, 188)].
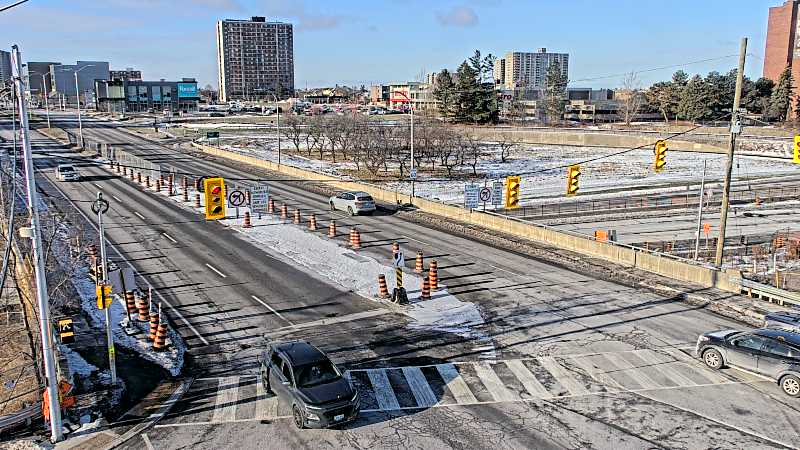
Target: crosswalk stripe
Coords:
[(493, 382), (266, 407), (528, 380), (641, 378), (384, 393), (712, 377), (225, 405), (419, 387), (456, 384), (667, 368), (597, 373), (562, 376)]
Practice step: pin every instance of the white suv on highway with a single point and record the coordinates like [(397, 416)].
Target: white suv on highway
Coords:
[(67, 172), (353, 202)]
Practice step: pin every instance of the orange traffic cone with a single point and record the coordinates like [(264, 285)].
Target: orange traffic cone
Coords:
[(247, 223), (418, 267), (296, 216), (271, 205), (426, 290), (383, 289), (284, 211), (332, 229), (312, 222), (433, 275), (160, 339), (395, 248), (197, 200), (355, 239), (153, 327)]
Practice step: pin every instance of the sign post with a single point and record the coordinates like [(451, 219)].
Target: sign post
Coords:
[(399, 294)]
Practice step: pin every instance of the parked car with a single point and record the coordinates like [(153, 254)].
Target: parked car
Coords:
[(67, 172), (772, 352), (310, 382), (353, 202), (786, 320)]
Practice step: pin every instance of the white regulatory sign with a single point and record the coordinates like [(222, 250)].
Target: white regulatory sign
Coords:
[(471, 196), (259, 196), (497, 193)]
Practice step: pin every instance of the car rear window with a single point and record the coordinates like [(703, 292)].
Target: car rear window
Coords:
[(364, 198), (316, 373)]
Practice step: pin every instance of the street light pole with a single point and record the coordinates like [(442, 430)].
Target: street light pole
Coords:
[(78, 99), (700, 213), (413, 178), (56, 434)]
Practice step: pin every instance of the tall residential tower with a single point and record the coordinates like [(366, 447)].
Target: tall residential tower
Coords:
[(524, 69), (255, 59)]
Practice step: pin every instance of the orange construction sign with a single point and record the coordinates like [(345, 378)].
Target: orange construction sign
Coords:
[(706, 228), (601, 235), (64, 400)]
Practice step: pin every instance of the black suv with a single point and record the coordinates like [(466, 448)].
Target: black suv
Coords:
[(771, 352), (302, 375)]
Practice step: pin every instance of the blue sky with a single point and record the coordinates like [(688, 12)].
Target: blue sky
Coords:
[(367, 41)]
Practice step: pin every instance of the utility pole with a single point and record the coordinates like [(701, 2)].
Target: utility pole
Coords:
[(700, 212), (736, 128), (56, 433)]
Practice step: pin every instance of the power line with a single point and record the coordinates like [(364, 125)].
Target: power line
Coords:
[(654, 69), (5, 8)]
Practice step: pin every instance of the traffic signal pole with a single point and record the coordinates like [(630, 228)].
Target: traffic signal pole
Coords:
[(42, 297), (735, 130), (112, 357)]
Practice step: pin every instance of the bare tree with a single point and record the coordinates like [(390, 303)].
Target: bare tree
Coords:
[(630, 97), (293, 130), (507, 142), (473, 152)]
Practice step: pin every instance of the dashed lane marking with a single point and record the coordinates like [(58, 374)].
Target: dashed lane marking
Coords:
[(147, 443), (272, 309), (334, 320), (139, 215), (170, 238), (98, 186), (116, 198), (417, 240), (215, 270)]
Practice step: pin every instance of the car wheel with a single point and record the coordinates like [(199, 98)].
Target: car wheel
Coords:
[(713, 358), (297, 416), (333, 208), (790, 385), (350, 210)]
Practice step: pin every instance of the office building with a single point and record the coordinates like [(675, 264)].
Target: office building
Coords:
[(5, 66), (126, 75), (147, 96), (35, 70), (528, 69), (63, 79), (783, 42), (255, 59)]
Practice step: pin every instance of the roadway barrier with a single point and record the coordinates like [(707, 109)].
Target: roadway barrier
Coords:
[(658, 263), (770, 293), (22, 417)]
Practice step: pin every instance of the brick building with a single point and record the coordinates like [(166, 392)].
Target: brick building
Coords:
[(783, 42)]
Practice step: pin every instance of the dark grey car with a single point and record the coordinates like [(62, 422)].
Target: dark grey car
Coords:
[(310, 383), (772, 352)]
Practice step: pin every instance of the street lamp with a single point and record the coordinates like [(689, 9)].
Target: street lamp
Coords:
[(78, 98), (411, 106), (278, 126), (44, 91)]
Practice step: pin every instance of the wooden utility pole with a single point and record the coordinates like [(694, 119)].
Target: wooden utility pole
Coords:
[(736, 128)]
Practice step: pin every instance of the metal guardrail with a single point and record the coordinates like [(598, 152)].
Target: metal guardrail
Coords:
[(771, 293), (24, 416)]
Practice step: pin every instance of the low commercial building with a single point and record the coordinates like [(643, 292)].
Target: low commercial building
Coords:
[(147, 96), (421, 94)]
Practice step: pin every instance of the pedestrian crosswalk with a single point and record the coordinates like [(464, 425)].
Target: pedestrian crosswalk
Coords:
[(243, 398)]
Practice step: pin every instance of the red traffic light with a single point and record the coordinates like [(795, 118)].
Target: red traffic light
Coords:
[(216, 190)]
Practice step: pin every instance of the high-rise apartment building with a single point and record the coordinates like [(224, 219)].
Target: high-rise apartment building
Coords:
[(255, 59), (5, 66), (783, 42), (529, 70), (35, 70)]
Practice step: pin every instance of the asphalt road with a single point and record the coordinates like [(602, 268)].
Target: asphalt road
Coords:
[(563, 360)]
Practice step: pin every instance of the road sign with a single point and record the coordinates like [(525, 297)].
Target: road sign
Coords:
[(66, 330), (103, 296), (399, 260), (122, 280), (236, 198), (212, 134), (485, 194), (413, 174), (471, 196), (706, 228), (497, 193), (259, 197), (100, 206)]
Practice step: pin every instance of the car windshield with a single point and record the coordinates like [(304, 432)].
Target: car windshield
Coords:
[(66, 169), (316, 373)]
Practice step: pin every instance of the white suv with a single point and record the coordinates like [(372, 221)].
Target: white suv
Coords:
[(353, 202), (67, 172)]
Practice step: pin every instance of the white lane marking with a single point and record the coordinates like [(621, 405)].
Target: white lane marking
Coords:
[(419, 387), (271, 309), (266, 407), (170, 238), (98, 186), (139, 215), (667, 368), (505, 270), (458, 387), (215, 270), (119, 253), (384, 393), (333, 320), (493, 383), (116, 198), (528, 380), (417, 240), (205, 424), (562, 375), (147, 442), (624, 366), (225, 404)]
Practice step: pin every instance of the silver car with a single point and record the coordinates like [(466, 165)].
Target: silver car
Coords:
[(353, 202)]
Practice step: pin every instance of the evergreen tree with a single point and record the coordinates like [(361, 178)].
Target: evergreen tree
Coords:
[(555, 94), (781, 99), (467, 92), (444, 91), (693, 104)]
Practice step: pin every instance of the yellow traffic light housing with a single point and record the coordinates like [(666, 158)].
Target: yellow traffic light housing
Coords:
[(573, 172), (660, 155), (796, 150), (104, 298), (512, 192), (215, 198)]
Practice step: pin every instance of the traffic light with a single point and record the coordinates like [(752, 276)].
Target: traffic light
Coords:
[(573, 172), (661, 155), (796, 150), (104, 298), (512, 192), (215, 198)]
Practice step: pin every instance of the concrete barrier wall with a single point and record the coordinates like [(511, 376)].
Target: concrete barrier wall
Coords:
[(651, 262)]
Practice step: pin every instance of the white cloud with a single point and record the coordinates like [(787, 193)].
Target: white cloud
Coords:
[(458, 16), (306, 20)]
